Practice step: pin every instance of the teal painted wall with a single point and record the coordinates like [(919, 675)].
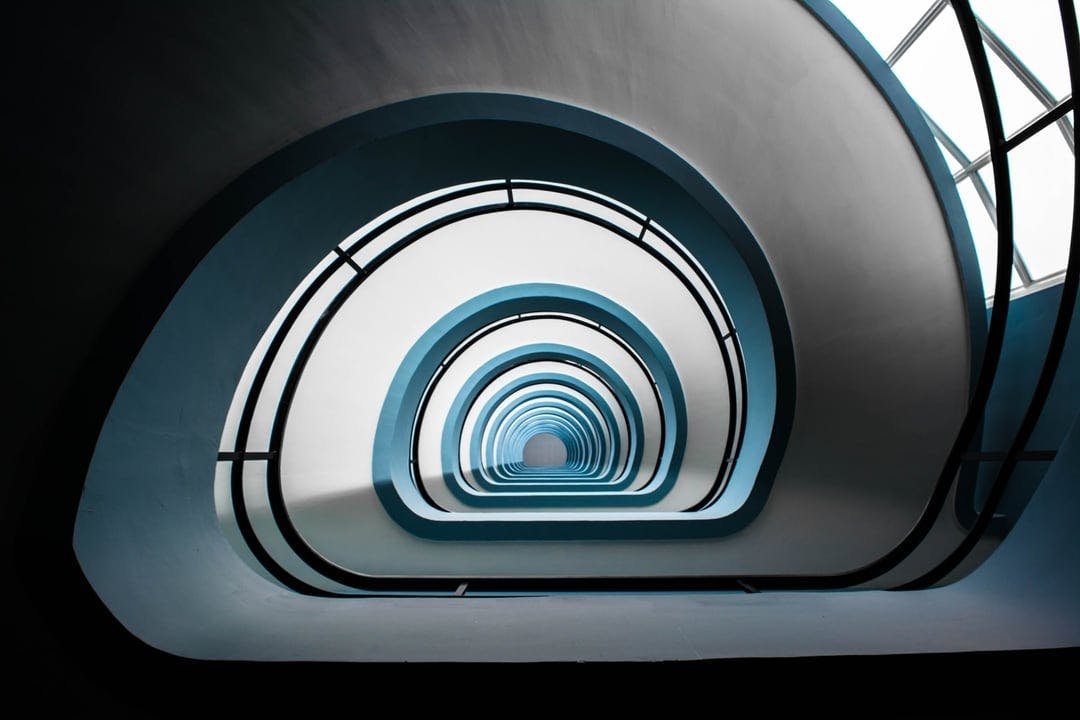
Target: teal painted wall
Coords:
[(1031, 320)]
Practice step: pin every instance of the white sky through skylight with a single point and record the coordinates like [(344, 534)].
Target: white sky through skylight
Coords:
[(1031, 78)]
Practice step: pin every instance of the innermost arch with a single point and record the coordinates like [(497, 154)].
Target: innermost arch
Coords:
[(544, 450)]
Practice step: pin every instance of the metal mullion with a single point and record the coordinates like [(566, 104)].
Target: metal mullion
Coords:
[(1051, 362), (1022, 135), (916, 32), (982, 191), (1027, 77)]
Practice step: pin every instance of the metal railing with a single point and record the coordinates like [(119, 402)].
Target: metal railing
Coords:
[(977, 37)]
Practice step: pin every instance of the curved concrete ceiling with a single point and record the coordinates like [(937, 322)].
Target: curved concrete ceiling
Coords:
[(757, 96)]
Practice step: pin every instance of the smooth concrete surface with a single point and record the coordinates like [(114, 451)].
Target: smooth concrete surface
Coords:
[(769, 107), (1023, 596), (754, 94), (163, 104), (763, 101)]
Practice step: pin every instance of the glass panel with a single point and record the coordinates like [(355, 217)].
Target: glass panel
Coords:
[(1032, 30), (950, 161), (937, 73), (1042, 178), (1018, 105), (987, 175), (884, 23), (982, 231)]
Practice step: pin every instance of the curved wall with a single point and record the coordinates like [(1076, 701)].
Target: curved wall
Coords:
[(757, 97)]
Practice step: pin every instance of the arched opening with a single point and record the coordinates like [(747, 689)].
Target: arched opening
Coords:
[(544, 450)]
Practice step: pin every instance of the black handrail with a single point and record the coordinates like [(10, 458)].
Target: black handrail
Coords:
[(276, 499), (991, 356), (965, 435), (1054, 350), (484, 332)]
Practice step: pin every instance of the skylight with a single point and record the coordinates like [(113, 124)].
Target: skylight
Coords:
[(922, 43)]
